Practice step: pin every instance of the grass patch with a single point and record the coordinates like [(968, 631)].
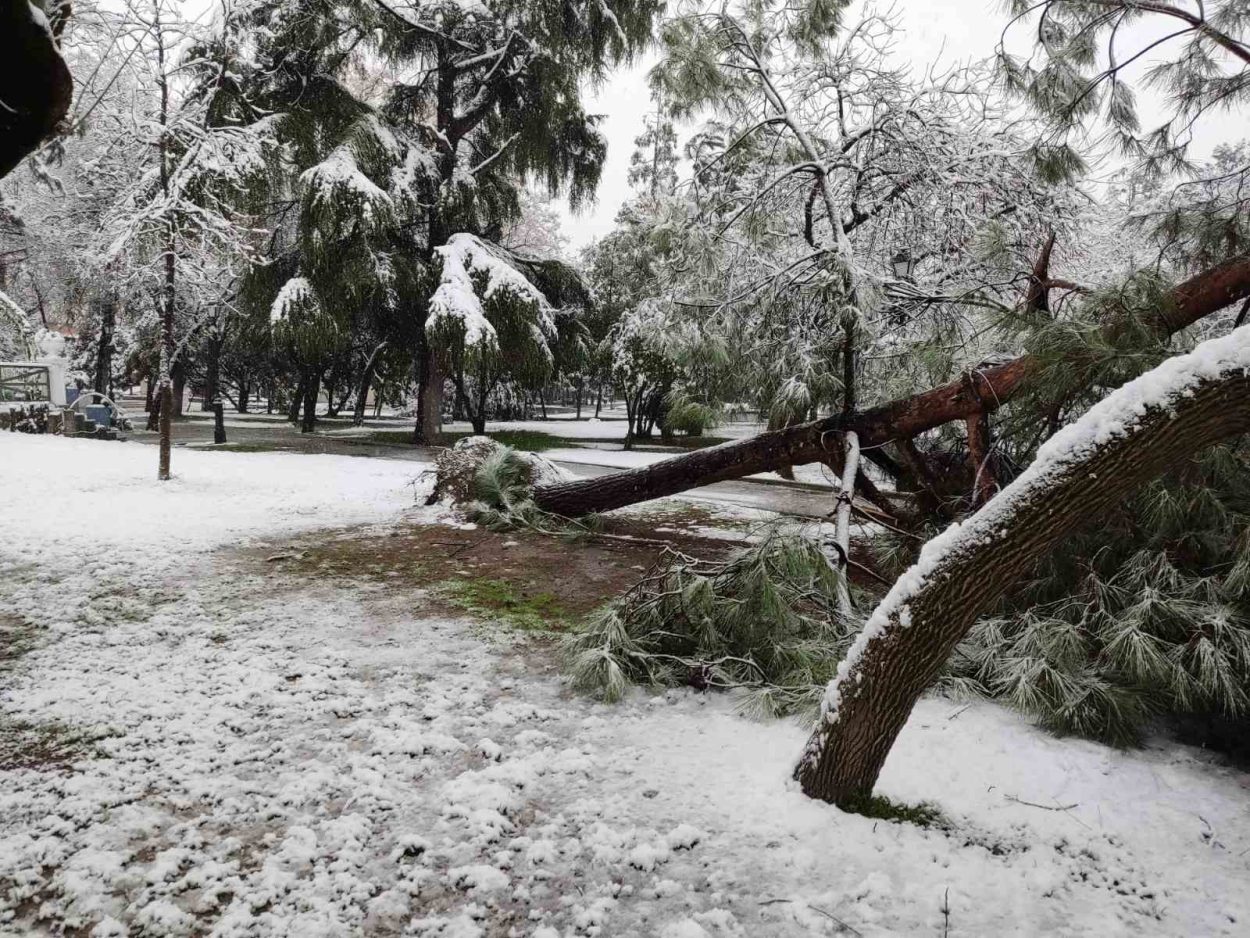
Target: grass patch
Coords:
[(500, 599), (16, 639), (46, 745), (882, 808)]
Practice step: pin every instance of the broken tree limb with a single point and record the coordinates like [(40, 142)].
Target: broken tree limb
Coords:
[(988, 388), (1149, 425)]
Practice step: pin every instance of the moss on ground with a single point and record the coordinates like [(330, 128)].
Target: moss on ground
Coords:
[(882, 808), (45, 745), (501, 600)]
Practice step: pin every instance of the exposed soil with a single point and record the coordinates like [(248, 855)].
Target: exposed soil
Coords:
[(531, 580)]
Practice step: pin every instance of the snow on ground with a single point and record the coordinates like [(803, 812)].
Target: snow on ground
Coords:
[(613, 427), (264, 754)]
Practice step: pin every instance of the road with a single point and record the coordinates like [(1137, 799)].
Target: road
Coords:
[(272, 433)]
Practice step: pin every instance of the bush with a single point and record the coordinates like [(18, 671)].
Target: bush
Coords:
[(689, 417)]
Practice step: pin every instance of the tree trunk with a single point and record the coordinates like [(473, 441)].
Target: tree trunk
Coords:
[(212, 373), (1087, 469), (366, 380), (219, 422), (297, 400), (103, 383), (983, 390), (984, 483), (429, 397), (312, 387), (154, 407), (168, 296)]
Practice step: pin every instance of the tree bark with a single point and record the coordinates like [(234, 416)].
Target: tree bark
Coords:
[(297, 400), (985, 389), (912, 633), (212, 371), (103, 383), (366, 381), (312, 388), (429, 396), (984, 483), (219, 422)]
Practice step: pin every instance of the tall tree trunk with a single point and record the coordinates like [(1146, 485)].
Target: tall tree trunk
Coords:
[(312, 389), (366, 380), (219, 421), (297, 400), (103, 380), (170, 248), (1194, 401), (154, 408), (900, 420), (212, 371), (429, 394)]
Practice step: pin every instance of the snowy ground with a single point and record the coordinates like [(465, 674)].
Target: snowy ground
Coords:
[(248, 751)]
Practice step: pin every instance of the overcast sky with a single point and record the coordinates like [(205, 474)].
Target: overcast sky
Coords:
[(958, 30)]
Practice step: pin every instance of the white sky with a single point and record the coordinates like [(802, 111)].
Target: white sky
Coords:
[(957, 30)]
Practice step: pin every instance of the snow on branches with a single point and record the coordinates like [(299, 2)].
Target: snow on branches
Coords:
[(1113, 418), (295, 295), (474, 274)]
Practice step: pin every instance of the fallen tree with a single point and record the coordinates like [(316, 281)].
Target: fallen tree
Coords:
[(1150, 424), (35, 84), (967, 397)]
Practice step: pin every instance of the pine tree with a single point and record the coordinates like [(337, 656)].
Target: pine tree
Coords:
[(475, 104)]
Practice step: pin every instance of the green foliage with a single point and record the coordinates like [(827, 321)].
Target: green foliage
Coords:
[(501, 497), (1149, 615), (763, 620), (923, 814), (685, 415)]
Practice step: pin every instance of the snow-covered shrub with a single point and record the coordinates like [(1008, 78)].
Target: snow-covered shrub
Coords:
[(764, 620), (494, 483)]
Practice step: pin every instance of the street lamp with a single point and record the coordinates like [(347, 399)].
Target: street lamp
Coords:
[(903, 264)]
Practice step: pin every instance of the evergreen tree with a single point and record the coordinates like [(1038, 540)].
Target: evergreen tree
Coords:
[(477, 101)]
